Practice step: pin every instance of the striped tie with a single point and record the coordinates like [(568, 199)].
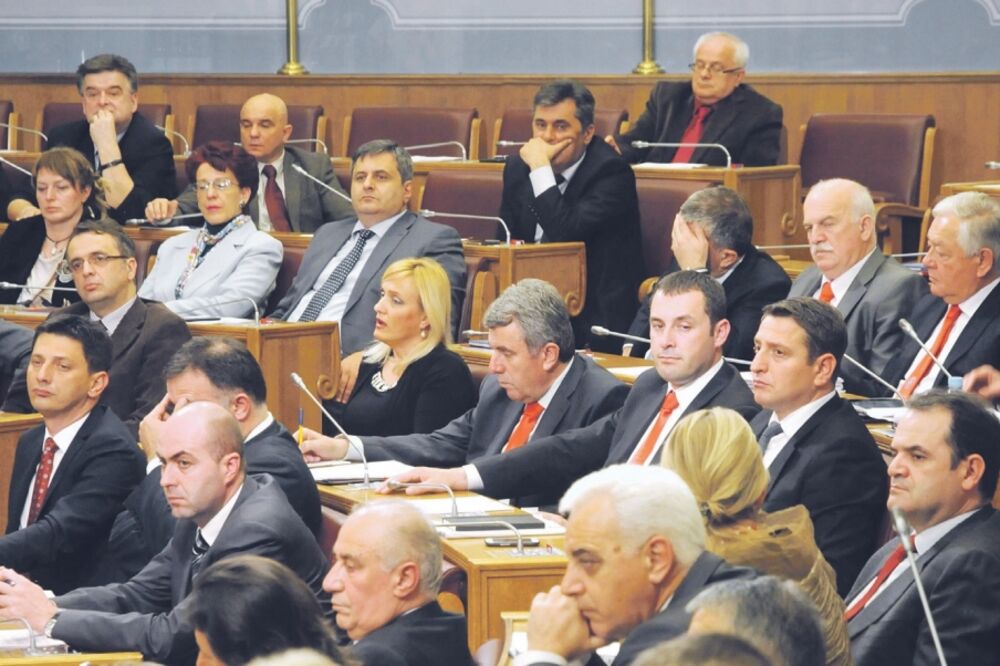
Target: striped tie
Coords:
[(337, 278)]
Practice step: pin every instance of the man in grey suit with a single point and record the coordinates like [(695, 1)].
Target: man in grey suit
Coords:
[(872, 291), (943, 476), (221, 513), (341, 273), (293, 202)]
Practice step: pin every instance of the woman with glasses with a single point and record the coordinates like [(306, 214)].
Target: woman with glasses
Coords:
[(227, 267), (32, 249)]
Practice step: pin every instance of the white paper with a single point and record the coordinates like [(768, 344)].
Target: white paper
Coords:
[(417, 159), (670, 166), (17, 639), (472, 504), (378, 471)]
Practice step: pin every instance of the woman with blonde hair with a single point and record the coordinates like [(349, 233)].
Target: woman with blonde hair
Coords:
[(717, 455)]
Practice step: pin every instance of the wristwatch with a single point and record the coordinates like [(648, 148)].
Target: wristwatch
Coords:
[(112, 163), (50, 625)]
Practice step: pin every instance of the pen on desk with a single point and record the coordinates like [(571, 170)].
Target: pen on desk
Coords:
[(301, 419)]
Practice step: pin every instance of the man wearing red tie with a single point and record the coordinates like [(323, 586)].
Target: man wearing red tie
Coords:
[(71, 473)]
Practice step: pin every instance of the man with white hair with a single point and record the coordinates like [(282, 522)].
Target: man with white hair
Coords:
[(714, 107), (636, 547), (872, 291)]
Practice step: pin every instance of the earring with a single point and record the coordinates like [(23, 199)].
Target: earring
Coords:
[(423, 333)]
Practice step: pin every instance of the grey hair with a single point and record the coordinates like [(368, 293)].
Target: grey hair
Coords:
[(410, 537), (647, 501), (541, 312), (724, 215), (860, 202), (404, 163), (741, 51), (773, 614), (979, 217)]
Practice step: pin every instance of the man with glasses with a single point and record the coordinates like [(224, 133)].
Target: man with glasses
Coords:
[(715, 107), (144, 335)]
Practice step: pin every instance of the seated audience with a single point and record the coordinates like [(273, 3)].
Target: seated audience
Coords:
[(703, 650), (715, 453), (250, 606), (33, 250), (227, 266), (383, 585), (943, 476)]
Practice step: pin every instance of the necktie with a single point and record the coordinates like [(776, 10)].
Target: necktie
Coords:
[(198, 550), (274, 200), (42, 477), (337, 278), (826, 292), (772, 430), (918, 374), (529, 417), (893, 561), (693, 133), (641, 454), (560, 179)]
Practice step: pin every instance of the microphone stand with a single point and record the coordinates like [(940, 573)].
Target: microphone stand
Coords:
[(903, 530), (719, 146), (429, 214)]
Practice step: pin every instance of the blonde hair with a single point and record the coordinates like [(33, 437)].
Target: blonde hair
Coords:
[(434, 294), (69, 164), (717, 455)]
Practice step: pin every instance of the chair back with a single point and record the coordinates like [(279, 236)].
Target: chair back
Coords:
[(216, 122), (659, 201), (468, 193), (515, 125), (414, 126), (55, 114), (291, 260)]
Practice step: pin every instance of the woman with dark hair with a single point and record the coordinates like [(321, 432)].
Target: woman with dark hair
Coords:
[(248, 606), (32, 249), (220, 269)]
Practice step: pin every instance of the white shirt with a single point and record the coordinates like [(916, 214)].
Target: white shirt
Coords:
[(44, 273), (334, 310), (63, 440), (114, 317), (843, 282), (210, 532), (968, 308), (263, 425), (722, 278), (263, 217), (791, 424), (544, 177)]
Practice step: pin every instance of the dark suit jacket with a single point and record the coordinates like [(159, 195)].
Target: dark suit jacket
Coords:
[(147, 155), (15, 349), (19, 249), (149, 613), (882, 292), (757, 281), (97, 472), (961, 574), (553, 463), (833, 467), (978, 344), (409, 236), (309, 205), (427, 636), (600, 208), (746, 123)]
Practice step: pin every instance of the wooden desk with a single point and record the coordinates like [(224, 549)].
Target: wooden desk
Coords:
[(12, 426), (74, 659), (990, 187), (621, 367)]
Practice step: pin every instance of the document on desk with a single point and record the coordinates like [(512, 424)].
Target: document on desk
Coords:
[(355, 472), (441, 506), (16, 641)]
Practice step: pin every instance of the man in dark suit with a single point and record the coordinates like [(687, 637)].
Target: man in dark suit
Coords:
[(220, 511), (816, 448), (383, 585), (72, 472), (563, 186), (635, 543), (713, 231), (943, 476), (132, 157), (300, 204), (871, 291), (715, 107), (957, 320), (689, 329), (341, 273), (15, 348)]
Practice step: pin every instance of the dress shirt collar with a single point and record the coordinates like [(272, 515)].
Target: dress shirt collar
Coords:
[(66, 436), (379, 228), (569, 171), (113, 318), (261, 427), (210, 532), (547, 397), (278, 163), (794, 421), (972, 303), (926, 539), (722, 278), (687, 393), (843, 282)]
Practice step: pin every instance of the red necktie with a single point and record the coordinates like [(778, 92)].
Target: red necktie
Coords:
[(895, 557), (274, 201), (42, 477), (529, 417), (693, 133), (641, 454), (918, 374), (826, 292)]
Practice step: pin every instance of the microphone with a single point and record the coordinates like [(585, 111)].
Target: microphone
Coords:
[(15, 166), (392, 484), (441, 144), (12, 285), (316, 141), (903, 530), (187, 146), (140, 221), (504, 143), (908, 329), (466, 216), (473, 333), (604, 332), (241, 299), (799, 246), (498, 523), (27, 130), (367, 482), (992, 165), (871, 374), (719, 146), (322, 184), (903, 255)]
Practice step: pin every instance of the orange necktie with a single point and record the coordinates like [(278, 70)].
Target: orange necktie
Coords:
[(529, 417), (893, 561), (641, 454), (826, 292), (918, 374), (42, 477)]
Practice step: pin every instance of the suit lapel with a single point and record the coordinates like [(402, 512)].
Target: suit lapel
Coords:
[(220, 258), (559, 405), (807, 284), (128, 329), (704, 398), (293, 190), (76, 449), (859, 286), (802, 434), (645, 411), (374, 266), (718, 122), (985, 316), (19, 484)]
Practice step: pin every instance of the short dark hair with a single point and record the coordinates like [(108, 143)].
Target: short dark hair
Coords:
[(552, 93), (106, 226), (223, 155), (92, 337), (228, 364), (724, 215), (974, 429), (107, 62), (404, 163), (682, 282), (703, 650), (823, 324)]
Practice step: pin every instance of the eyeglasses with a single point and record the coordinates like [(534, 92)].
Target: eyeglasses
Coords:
[(97, 260), (713, 68), (220, 184)]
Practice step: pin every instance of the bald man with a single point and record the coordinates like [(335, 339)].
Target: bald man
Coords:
[(285, 200)]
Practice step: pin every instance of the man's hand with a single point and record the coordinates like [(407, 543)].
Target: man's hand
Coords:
[(152, 425), (610, 140), (20, 598), (556, 625), (454, 478), (161, 209), (537, 153), (105, 135), (689, 244), (317, 447), (983, 381), (349, 367)]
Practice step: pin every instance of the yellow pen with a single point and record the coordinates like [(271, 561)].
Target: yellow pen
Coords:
[(298, 434)]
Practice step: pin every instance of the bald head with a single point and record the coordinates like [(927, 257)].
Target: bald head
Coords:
[(839, 218), (264, 127), (399, 532), (206, 424)]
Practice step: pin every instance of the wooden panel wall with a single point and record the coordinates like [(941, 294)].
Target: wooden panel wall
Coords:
[(966, 106)]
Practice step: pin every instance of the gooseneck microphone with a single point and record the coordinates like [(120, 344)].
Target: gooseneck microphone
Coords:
[(15, 166), (200, 306), (498, 523), (874, 376), (718, 146), (187, 146), (140, 221), (12, 285), (992, 165), (322, 184), (506, 143), (392, 484), (441, 144), (908, 329), (26, 130), (605, 332), (318, 142), (903, 530), (468, 216)]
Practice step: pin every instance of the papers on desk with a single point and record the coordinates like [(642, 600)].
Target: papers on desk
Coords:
[(879, 409), (16, 641), (342, 472), (670, 166), (441, 506), (449, 532), (417, 159)]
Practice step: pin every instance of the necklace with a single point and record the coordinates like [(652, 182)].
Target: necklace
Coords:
[(55, 243)]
